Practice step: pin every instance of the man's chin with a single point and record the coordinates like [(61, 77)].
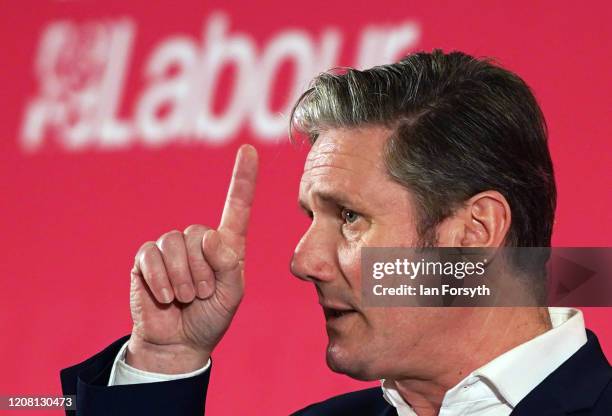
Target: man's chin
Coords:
[(344, 361)]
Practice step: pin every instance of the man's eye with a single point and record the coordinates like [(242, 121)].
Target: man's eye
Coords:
[(349, 216)]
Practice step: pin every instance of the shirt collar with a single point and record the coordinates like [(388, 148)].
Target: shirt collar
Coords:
[(512, 375), (392, 396), (518, 371)]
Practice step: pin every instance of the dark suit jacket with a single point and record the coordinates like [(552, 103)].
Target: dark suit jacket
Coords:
[(580, 386)]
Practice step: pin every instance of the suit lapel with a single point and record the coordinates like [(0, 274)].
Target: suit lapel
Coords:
[(388, 411), (575, 385)]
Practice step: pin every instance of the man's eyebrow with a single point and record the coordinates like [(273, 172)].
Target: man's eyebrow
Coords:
[(328, 196), (334, 197)]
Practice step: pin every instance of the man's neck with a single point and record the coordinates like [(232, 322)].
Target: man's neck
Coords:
[(495, 331)]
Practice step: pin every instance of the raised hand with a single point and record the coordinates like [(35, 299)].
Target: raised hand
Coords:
[(186, 286)]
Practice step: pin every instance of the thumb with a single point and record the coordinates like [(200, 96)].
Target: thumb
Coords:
[(222, 259)]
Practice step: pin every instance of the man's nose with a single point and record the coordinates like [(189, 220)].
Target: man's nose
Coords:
[(314, 256)]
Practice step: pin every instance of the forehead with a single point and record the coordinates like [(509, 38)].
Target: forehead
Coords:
[(346, 158)]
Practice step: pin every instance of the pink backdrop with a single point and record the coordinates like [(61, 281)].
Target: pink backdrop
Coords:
[(120, 122)]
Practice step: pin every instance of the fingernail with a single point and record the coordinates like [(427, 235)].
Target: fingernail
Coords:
[(166, 295), (203, 289), (185, 292)]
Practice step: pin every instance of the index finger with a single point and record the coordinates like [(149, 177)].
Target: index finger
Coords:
[(237, 210)]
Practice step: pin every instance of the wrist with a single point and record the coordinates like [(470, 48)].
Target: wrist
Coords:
[(164, 359)]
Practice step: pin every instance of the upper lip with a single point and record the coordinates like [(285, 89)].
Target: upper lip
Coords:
[(331, 308)]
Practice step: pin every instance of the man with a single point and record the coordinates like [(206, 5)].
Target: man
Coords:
[(435, 150)]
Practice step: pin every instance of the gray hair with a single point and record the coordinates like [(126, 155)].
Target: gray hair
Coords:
[(460, 126)]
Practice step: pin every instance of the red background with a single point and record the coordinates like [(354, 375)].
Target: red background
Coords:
[(70, 222)]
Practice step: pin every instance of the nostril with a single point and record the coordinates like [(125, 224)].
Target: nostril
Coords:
[(299, 268), (311, 278), (297, 272)]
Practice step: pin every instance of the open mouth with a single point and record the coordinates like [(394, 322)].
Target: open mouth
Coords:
[(331, 313)]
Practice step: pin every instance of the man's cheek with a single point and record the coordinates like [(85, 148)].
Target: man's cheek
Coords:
[(350, 265)]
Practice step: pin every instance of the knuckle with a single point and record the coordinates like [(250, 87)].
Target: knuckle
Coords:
[(135, 270), (150, 253), (169, 238), (145, 248), (195, 229)]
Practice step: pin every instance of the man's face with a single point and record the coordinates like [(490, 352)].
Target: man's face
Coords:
[(353, 203)]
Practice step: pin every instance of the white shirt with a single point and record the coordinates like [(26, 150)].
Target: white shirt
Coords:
[(497, 387), (122, 373), (492, 390)]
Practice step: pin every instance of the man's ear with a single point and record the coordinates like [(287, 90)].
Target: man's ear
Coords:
[(482, 221)]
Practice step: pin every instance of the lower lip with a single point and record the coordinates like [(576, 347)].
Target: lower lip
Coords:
[(337, 321)]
